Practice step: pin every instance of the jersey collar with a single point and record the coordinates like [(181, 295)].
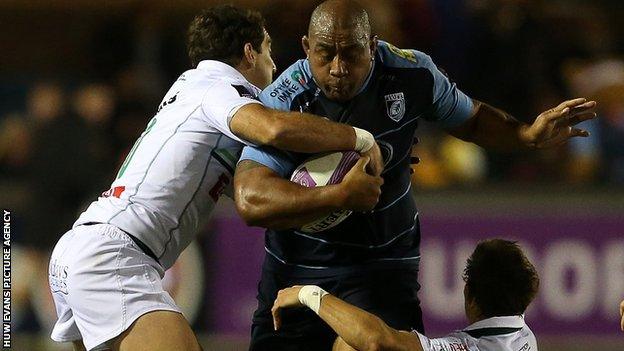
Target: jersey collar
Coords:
[(498, 322), (218, 66)]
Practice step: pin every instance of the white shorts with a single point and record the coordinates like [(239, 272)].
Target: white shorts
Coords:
[(101, 283)]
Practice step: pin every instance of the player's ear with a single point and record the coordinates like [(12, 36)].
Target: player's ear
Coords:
[(373, 45), (250, 54), (305, 43)]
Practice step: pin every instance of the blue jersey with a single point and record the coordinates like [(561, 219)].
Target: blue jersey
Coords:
[(403, 87)]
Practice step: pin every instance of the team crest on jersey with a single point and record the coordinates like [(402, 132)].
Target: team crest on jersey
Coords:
[(395, 106)]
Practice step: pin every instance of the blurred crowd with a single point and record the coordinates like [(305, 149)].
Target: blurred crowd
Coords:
[(69, 117)]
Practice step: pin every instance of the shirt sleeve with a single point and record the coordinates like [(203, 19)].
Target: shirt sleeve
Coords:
[(451, 107), (220, 104), (280, 162)]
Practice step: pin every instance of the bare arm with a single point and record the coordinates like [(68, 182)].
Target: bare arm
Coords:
[(495, 129), (290, 205), (291, 131), (302, 132), (358, 328)]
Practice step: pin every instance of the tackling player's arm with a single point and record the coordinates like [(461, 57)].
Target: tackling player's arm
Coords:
[(303, 132), (242, 118), (359, 329), (263, 198), (495, 129), (293, 131)]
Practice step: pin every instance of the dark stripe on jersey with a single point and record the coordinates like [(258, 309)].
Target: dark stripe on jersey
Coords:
[(244, 92), (478, 333), (222, 161)]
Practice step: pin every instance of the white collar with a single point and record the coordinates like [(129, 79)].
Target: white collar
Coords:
[(220, 66), (498, 322)]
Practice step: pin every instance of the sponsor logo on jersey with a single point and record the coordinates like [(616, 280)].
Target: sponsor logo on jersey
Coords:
[(298, 76), (114, 192), (406, 54), (285, 89), (395, 106), (57, 277)]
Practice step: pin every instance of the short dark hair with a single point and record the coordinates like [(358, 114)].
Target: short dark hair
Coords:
[(220, 33), (500, 278)]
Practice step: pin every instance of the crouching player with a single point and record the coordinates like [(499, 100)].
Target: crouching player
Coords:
[(500, 284)]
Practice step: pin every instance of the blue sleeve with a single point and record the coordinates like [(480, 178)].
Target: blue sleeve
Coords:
[(450, 106), (281, 162), (292, 82)]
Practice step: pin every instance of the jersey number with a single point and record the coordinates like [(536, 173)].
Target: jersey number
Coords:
[(150, 125)]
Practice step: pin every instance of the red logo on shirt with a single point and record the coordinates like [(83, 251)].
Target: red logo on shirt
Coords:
[(114, 192)]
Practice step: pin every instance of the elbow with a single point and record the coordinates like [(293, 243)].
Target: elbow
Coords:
[(252, 208), (247, 209)]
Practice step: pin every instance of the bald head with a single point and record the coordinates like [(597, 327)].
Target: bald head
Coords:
[(340, 48), (340, 14)]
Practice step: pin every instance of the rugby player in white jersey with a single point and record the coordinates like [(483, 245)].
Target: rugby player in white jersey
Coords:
[(105, 273), (500, 284)]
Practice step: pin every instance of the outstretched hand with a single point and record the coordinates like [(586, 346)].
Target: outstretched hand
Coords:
[(556, 126)]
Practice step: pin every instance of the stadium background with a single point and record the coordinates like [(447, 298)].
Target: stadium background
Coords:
[(80, 79)]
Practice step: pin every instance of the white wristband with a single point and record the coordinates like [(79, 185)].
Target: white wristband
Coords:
[(364, 140), (311, 295)]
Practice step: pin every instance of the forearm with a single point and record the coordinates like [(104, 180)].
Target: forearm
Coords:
[(297, 132), (360, 329), (310, 134), (493, 129), (286, 205)]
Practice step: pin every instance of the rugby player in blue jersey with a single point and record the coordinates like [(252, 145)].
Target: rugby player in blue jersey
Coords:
[(371, 259)]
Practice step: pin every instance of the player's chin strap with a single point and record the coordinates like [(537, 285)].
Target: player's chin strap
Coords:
[(364, 140), (311, 295)]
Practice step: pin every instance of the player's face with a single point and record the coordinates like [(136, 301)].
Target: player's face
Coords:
[(265, 67), (340, 61)]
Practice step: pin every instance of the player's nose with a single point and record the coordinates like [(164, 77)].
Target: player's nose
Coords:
[(338, 67)]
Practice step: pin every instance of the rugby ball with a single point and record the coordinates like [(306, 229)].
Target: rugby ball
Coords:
[(321, 170)]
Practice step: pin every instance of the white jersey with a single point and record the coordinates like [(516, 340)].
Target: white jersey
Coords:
[(508, 333), (184, 160)]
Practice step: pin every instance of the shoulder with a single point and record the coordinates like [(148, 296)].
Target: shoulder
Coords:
[(294, 81), (393, 57), (453, 341)]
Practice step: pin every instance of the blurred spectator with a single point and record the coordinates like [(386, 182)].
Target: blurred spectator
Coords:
[(601, 156), (65, 159), (15, 145)]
